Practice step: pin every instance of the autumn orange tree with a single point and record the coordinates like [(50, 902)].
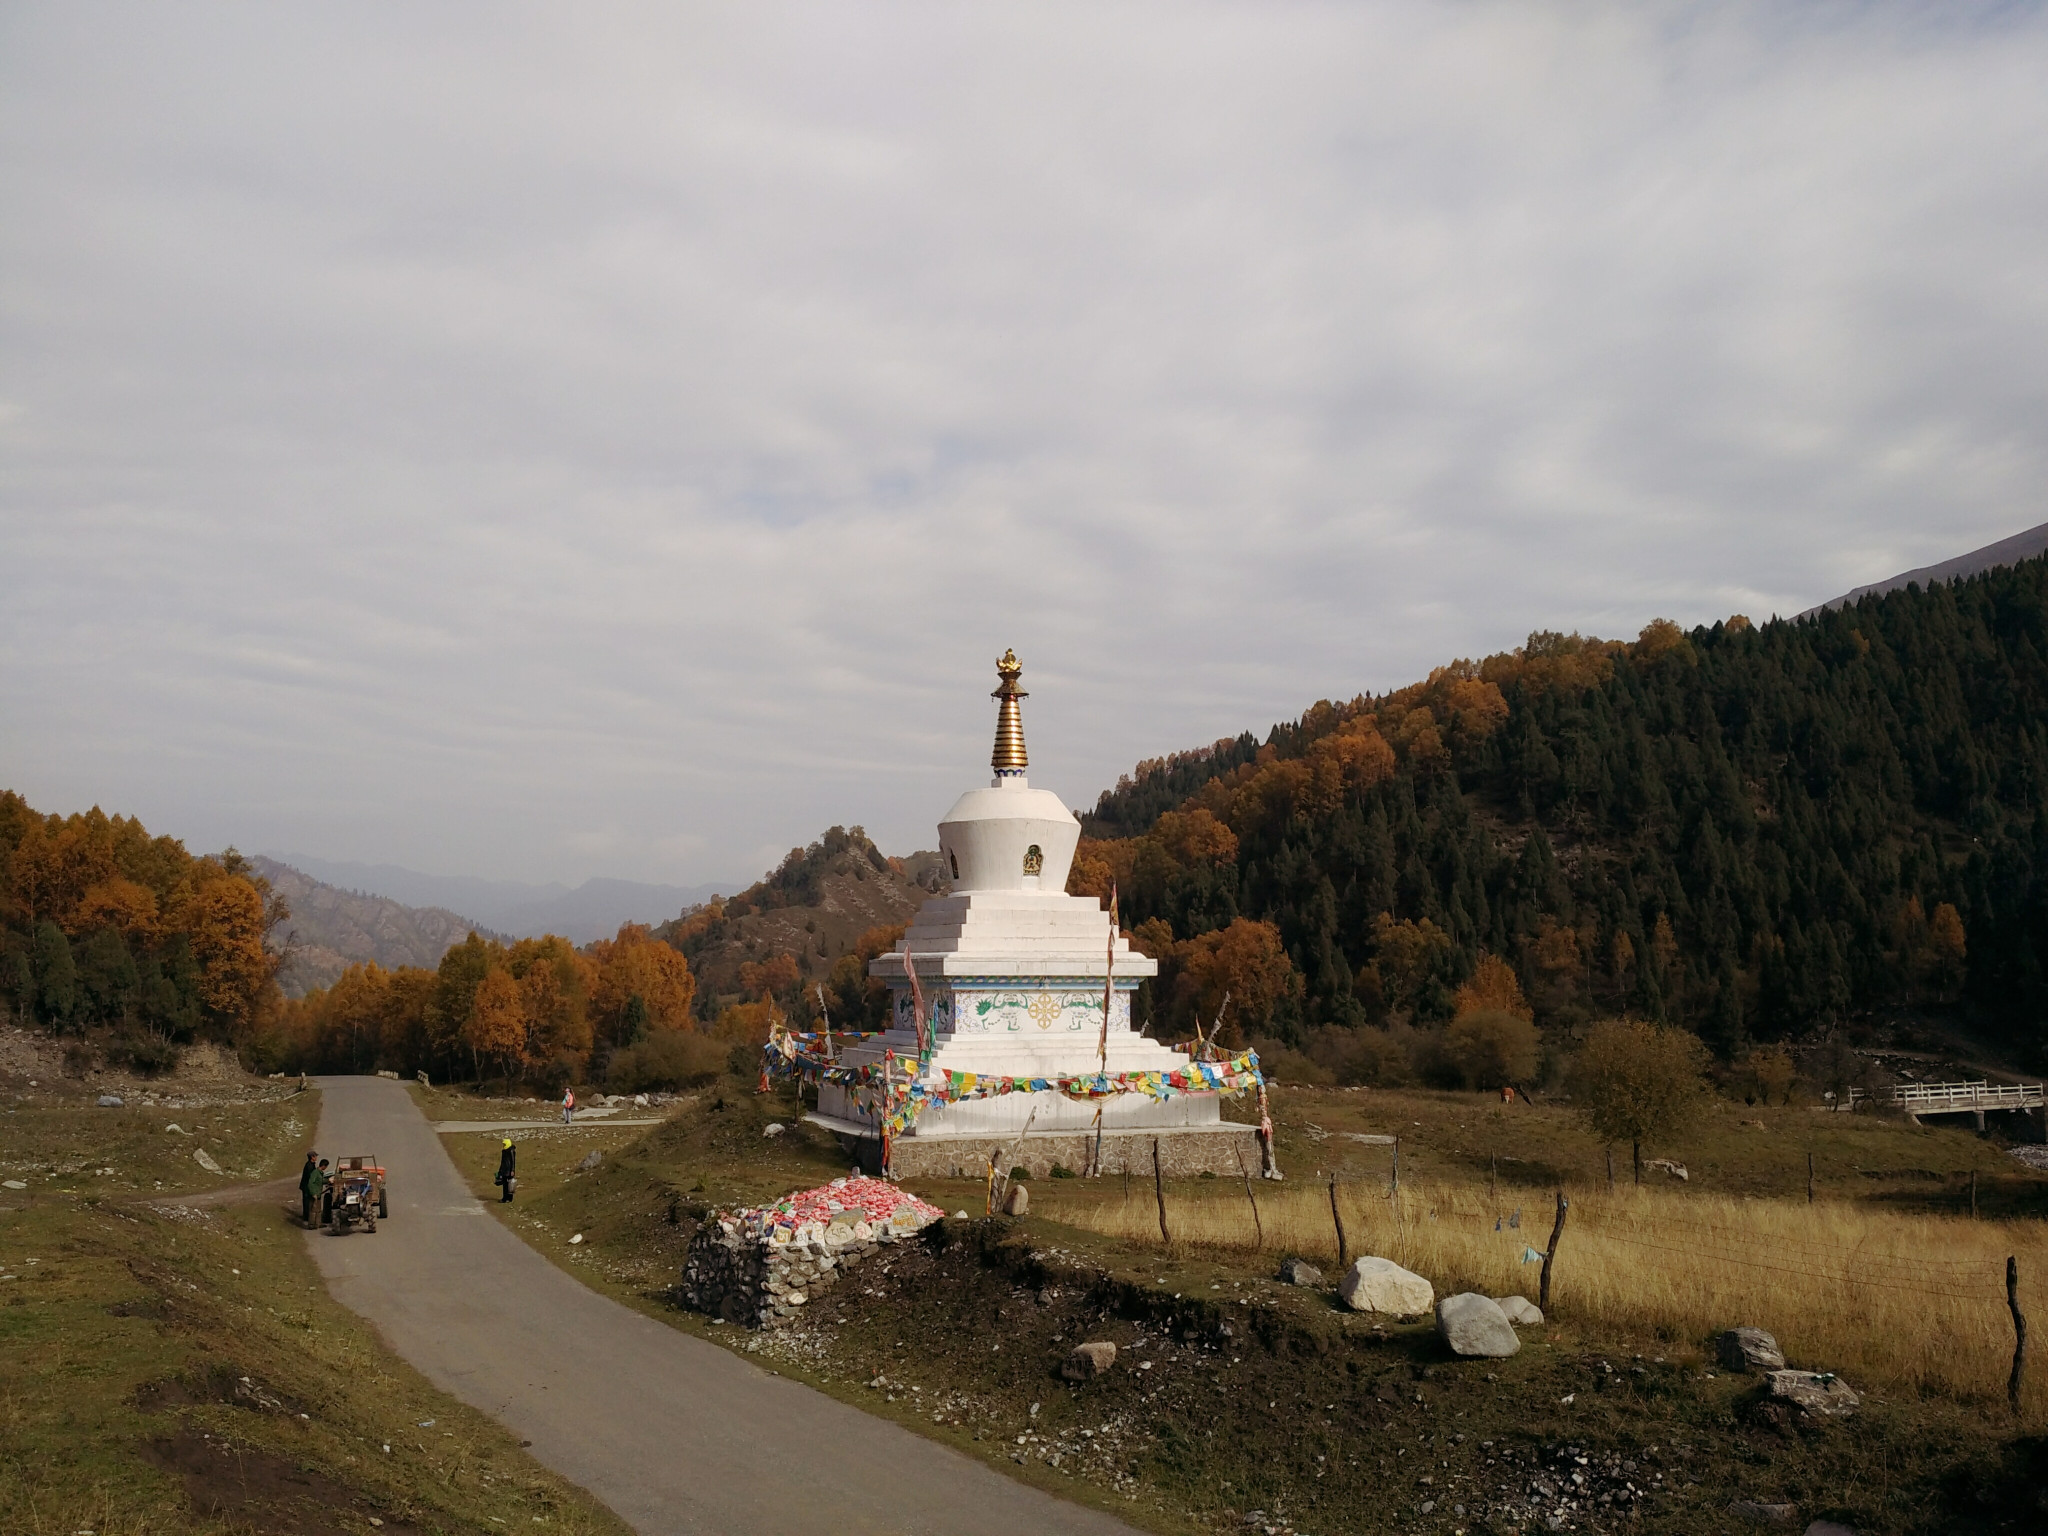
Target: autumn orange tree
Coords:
[(102, 924)]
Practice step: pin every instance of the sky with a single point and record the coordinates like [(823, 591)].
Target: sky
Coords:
[(540, 442)]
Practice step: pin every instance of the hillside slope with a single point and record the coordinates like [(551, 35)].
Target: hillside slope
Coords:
[(331, 929), (2021, 546), (592, 910), (817, 919), (1752, 831)]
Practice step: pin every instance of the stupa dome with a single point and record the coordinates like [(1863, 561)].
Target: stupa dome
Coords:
[(1009, 837)]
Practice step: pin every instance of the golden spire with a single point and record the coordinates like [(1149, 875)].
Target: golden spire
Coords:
[(1009, 757)]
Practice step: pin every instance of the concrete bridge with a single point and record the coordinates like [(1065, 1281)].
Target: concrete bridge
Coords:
[(1918, 1099)]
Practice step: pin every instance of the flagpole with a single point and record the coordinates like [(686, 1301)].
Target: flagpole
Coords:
[(1102, 1045)]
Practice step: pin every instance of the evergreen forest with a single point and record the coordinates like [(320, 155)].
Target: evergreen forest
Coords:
[(1760, 832)]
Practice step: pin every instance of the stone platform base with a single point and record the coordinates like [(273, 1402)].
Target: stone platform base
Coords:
[(1184, 1152)]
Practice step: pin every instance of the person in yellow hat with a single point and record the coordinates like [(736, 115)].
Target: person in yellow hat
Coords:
[(508, 1165)]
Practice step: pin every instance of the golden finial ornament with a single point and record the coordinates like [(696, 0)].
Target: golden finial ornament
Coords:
[(1009, 756)]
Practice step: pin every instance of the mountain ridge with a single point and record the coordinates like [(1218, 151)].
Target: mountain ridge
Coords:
[(2021, 546), (592, 910)]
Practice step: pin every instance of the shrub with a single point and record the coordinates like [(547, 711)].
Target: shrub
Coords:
[(1020, 1175), (1490, 1047), (1062, 1171), (1368, 1056), (670, 1059), (144, 1053)]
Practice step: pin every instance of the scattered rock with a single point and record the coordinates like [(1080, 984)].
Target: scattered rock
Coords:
[(1763, 1514), (576, 1239), (773, 1128), (590, 1162), (110, 1101), (176, 1129), (1749, 1349), (393, 1076), (1087, 1361), (1017, 1202), (1474, 1325), (1299, 1272), (1380, 1285), (640, 1100), (1520, 1310), (1676, 1170), (1818, 1394), (200, 1157), (12, 1184)]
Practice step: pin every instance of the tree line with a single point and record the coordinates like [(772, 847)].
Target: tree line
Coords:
[(104, 927), (1747, 830)]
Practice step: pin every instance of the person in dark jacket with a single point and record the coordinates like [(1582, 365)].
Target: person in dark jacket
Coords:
[(308, 1188), (508, 1169), (323, 1186)]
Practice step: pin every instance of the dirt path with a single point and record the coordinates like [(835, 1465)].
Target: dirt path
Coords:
[(675, 1434)]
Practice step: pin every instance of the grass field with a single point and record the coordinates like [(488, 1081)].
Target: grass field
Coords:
[(170, 1369), (1330, 1421), (1902, 1301)]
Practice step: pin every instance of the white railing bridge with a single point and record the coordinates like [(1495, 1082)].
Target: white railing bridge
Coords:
[(1950, 1098)]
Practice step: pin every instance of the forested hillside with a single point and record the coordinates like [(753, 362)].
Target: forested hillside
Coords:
[(1751, 830), (104, 926)]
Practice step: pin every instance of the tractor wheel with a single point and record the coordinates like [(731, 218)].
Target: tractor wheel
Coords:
[(383, 1206)]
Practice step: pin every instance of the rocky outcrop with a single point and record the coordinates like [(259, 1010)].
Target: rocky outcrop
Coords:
[(1085, 1362), (1816, 1394), (1749, 1349), (1474, 1327), (1299, 1272), (1520, 1310), (1381, 1285)]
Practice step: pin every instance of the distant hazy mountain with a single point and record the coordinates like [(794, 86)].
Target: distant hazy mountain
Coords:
[(592, 910), (2021, 546), (331, 929)]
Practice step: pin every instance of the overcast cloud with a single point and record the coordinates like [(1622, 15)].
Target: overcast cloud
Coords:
[(539, 442)]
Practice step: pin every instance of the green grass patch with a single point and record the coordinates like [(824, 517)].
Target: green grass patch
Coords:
[(170, 1369)]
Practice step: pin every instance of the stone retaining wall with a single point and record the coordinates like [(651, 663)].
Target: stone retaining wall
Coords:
[(1183, 1154), (733, 1274)]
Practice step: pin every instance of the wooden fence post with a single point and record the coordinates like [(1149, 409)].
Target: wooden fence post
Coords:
[(1973, 1194), (1610, 1167), (2019, 1333), (1550, 1253), (1343, 1245), (1396, 1189), (1809, 1178), (1245, 1174), (1159, 1194)]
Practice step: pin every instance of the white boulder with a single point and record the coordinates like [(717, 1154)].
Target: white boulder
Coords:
[(1520, 1310), (1474, 1326), (1380, 1285)]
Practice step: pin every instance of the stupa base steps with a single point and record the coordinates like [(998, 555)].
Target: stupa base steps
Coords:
[(1185, 1152)]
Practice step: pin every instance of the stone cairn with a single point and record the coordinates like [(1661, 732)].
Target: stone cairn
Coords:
[(761, 1267)]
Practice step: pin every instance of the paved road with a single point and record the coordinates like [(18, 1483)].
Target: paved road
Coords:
[(545, 1125), (675, 1434)]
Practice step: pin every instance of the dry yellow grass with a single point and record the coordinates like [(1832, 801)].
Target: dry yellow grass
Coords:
[(1906, 1302)]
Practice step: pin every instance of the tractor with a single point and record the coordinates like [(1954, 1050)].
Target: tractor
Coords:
[(358, 1194)]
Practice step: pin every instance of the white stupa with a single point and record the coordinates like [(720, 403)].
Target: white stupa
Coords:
[(1011, 969)]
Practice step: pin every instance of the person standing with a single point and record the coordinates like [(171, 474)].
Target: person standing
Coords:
[(508, 1170), (308, 1189), (568, 1106), (323, 1186)]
